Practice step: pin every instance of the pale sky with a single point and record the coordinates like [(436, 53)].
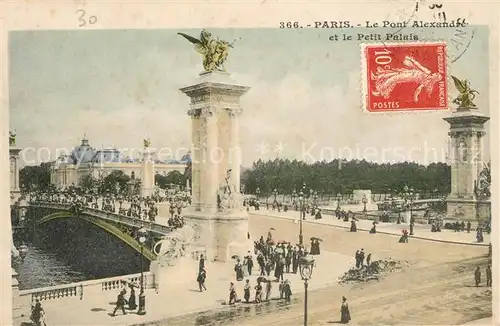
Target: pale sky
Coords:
[(118, 86)]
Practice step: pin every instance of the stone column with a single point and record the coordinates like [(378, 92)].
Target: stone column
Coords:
[(195, 159), (16, 305), (210, 156), (215, 137), (148, 176), (234, 147), (14, 168), (466, 131)]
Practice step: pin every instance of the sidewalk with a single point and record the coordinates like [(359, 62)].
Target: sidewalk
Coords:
[(184, 298), (421, 231), (484, 321)]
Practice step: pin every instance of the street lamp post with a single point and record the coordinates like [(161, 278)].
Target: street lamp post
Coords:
[(142, 232), (364, 200), (301, 217), (294, 195), (306, 265), (275, 193), (409, 193)]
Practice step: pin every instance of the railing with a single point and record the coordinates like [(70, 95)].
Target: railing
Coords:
[(77, 290), (114, 217)]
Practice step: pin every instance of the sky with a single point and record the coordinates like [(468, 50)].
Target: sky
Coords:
[(119, 86)]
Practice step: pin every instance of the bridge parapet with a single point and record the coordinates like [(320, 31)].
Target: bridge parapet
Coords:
[(110, 216), (81, 290)]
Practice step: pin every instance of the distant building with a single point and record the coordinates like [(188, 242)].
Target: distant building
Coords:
[(84, 160)]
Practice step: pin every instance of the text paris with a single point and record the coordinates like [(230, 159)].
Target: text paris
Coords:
[(386, 37)]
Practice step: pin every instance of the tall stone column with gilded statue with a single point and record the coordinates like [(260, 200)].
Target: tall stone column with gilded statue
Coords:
[(147, 170), (219, 221), (216, 223), (469, 198)]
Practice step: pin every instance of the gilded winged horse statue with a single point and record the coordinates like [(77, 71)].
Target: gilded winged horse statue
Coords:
[(467, 94), (214, 51)]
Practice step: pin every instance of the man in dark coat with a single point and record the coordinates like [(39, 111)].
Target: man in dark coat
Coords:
[(477, 276), (361, 258), (288, 260), (295, 261), (202, 276), (287, 291), (249, 263), (120, 302), (262, 264), (202, 263), (488, 276), (468, 226)]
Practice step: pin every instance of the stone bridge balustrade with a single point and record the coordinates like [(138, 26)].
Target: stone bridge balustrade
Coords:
[(108, 216), (81, 290)]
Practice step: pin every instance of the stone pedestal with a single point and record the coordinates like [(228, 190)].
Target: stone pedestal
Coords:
[(147, 174), (16, 304), (222, 234), (466, 133), (220, 224)]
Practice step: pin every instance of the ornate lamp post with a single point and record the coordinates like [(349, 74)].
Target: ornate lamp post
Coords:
[(339, 196), (301, 217), (142, 232), (306, 265), (275, 193), (364, 200), (409, 196)]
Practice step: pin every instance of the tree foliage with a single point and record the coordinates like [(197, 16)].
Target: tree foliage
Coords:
[(35, 177), (173, 177), (116, 177), (345, 176)]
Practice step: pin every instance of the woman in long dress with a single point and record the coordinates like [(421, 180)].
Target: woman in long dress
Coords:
[(131, 300), (239, 271), (345, 315)]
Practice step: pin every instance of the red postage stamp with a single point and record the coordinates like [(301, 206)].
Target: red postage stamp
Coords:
[(405, 77)]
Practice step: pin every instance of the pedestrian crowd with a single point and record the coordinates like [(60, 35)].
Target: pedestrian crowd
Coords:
[(144, 208), (477, 276)]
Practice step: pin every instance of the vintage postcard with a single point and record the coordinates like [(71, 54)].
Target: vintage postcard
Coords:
[(250, 163)]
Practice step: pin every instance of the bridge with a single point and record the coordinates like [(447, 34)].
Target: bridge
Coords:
[(118, 225)]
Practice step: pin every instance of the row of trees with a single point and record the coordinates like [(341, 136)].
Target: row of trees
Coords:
[(345, 176), (38, 177), (285, 176)]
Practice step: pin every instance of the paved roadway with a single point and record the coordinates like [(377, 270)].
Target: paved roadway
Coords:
[(435, 290), (420, 230)]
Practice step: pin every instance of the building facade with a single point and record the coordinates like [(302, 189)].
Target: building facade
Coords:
[(85, 160)]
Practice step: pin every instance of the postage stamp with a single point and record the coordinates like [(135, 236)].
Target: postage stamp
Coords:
[(202, 163), (405, 77)]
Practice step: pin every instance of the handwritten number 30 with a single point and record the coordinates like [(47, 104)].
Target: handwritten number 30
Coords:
[(83, 20)]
